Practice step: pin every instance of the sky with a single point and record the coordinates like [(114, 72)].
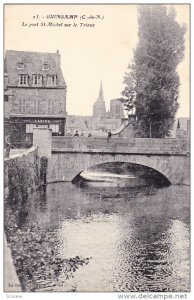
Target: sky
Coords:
[(89, 54)]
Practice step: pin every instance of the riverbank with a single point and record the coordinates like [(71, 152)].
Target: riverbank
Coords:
[(11, 281)]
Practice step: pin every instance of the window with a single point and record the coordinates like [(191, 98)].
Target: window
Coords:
[(51, 106), (29, 127), (6, 98), (22, 105), (45, 67), (51, 80), (54, 127), (29, 106), (43, 126), (37, 80), (20, 66), (35, 106), (23, 80)]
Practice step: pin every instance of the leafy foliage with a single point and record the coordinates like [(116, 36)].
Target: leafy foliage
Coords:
[(23, 175), (37, 263), (152, 82)]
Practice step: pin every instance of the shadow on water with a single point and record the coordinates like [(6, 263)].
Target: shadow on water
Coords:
[(127, 175)]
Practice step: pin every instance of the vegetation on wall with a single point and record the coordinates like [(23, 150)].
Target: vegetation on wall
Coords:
[(23, 175)]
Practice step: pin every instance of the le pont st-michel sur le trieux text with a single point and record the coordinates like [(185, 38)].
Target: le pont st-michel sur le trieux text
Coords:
[(61, 21)]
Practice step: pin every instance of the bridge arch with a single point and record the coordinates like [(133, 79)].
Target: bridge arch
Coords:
[(70, 165), (167, 156), (161, 170)]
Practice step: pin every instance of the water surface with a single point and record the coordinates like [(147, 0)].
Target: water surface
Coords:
[(134, 241)]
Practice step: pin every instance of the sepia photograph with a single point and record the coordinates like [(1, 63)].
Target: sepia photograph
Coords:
[(96, 148)]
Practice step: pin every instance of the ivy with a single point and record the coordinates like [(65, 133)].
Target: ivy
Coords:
[(24, 174)]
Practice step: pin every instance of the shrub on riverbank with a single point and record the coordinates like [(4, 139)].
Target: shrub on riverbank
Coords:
[(37, 262), (23, 175)]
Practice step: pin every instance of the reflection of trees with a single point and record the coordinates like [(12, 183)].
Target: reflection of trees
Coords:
[(34, 245), (146, 259)]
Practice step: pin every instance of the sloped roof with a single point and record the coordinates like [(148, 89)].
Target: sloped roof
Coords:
[(121, 128), (33, 63)]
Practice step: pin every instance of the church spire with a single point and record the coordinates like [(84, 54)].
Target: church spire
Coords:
[(178, 125), (100, 96), (99, 108)]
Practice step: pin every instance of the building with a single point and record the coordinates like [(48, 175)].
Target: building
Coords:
[(34, 94), (101, 122), (79, 123), (99, 109), (182, 128), (116, 109), (127, 128)]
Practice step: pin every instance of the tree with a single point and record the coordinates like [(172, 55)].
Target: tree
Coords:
[(152, 82)]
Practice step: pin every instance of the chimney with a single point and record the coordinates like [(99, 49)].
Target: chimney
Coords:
[(58, 56)]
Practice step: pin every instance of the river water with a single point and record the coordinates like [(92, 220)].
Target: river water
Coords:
[(133, 241)]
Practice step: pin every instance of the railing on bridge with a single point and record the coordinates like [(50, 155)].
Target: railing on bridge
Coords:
[(119, 145)]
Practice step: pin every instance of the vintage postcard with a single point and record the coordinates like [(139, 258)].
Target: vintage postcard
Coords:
[(97, 148)]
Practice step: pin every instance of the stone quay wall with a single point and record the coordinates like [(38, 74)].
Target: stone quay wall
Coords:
[(21, 175)]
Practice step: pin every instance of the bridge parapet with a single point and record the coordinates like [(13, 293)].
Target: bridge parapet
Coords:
[(120, 145)]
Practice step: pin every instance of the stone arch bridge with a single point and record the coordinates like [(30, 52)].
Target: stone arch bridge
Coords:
[(72, 155)]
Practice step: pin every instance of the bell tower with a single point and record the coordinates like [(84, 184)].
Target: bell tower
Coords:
[(99, 109)]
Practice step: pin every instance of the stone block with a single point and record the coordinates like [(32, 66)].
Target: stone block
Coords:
[(42, 139)]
